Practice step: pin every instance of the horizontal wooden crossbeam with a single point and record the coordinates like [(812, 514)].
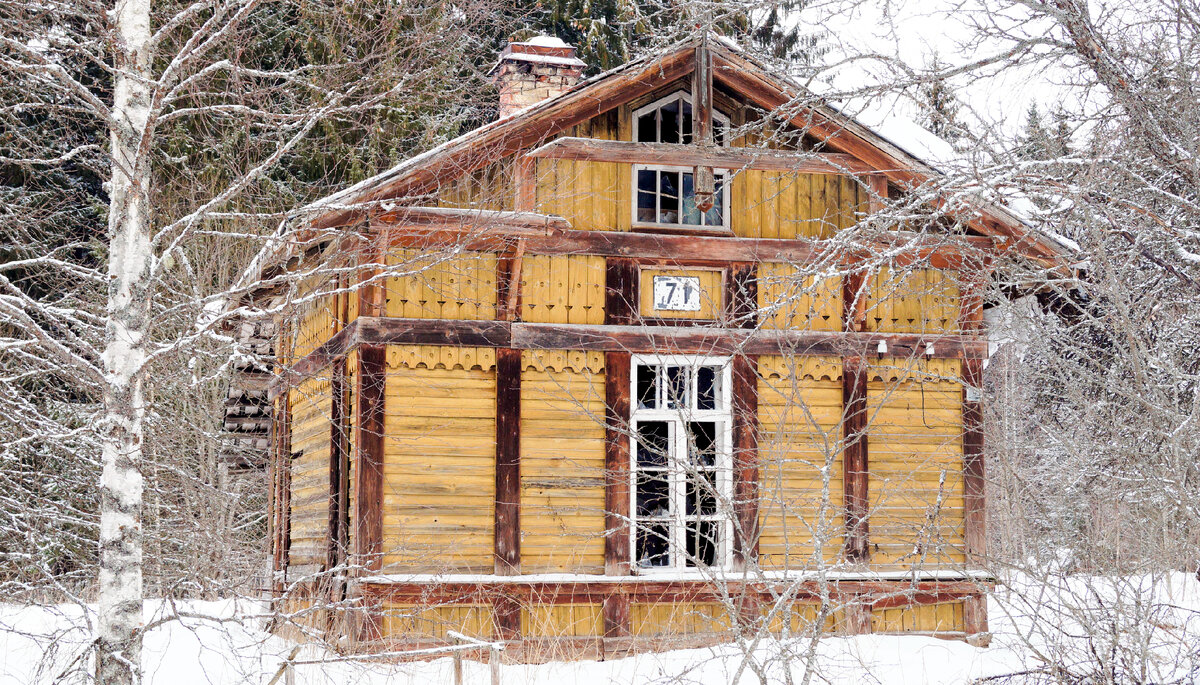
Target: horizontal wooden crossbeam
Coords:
[(881, 594), (622, 151), (542, 234), (635, 339)]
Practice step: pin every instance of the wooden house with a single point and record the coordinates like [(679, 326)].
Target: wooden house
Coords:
[(634, 366)]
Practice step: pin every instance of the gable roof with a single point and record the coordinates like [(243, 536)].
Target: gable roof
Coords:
[(738, 72)]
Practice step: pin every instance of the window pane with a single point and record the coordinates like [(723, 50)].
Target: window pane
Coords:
[(670, 122), (708, 390), (676, 387), (668, 203), (702, 543), (646, 195), (701, 493), (691, 215), (702, 443), (646, 386), (653, 495), (652, 444), (653, 546), (718, 132), (646, 132)]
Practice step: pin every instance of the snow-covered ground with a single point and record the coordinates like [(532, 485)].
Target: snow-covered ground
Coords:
[(1148, 628)]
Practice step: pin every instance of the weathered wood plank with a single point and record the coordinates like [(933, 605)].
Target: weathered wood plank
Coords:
[(677, 154), (617, 553), (903, 248), (741, 295), (620, 292), (854, 459), (507, 536), (745, 460), (974, 474), (339, 494)]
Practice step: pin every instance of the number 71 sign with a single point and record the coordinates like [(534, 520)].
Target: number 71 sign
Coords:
[(677, 293)]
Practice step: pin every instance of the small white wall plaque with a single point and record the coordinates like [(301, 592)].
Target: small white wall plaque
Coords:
[(677, 293)]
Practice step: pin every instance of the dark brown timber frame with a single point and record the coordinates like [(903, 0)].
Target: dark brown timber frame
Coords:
[(369, 444), (854, 426), (620, 290), (507, 535), (339, 472)]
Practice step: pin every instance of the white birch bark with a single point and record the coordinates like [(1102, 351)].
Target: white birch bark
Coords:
[(130, 260)]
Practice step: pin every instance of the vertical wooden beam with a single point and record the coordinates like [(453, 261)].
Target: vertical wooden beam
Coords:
[(855, 477), (877, 186), (506, 612), (369, 454), (745, 460), (854, 463), (281, 482), (372, 291), (702, 125), (507, 535), (974, 474), (741, 295), (369, 446), (620, 292), (617, 553), (616, 615), (975, 619), (338, 468), (524, 183)]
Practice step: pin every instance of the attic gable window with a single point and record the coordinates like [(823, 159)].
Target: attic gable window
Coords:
[(665, 195)]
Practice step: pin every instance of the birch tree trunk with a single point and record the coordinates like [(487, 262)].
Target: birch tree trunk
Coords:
[(118, 659)]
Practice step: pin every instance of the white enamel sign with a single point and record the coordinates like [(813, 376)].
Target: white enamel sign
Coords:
[(677, 293)]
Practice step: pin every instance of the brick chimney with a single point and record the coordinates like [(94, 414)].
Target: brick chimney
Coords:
[(531, 71)]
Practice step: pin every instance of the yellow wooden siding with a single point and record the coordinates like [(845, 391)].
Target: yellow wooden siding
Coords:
[(562, 462), (310, 404), (913, 301), (562, 620), (800, 410), (562, 289), (417, 622), (591, 195), (439, 473), (683, 618), (787, 298), (316, 317), (488, 188), (799, 618), (921, 618), (769, 204), (436, 285), (914, 414)]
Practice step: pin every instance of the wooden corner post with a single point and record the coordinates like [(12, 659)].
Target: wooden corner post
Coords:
[(745, 460), (854, 427), (369, 444), (507, 535)]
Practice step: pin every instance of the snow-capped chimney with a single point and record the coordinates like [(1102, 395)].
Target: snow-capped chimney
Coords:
[(531, 71)]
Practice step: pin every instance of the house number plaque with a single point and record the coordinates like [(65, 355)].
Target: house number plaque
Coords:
[(677, 293)]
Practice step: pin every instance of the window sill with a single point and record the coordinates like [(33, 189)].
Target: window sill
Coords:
[(714, 231)]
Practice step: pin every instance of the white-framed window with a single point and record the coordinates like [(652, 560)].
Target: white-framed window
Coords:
[(681, 462), (664, 196)]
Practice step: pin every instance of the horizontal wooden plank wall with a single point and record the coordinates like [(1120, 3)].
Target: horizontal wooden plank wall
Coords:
[(800, 438)]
